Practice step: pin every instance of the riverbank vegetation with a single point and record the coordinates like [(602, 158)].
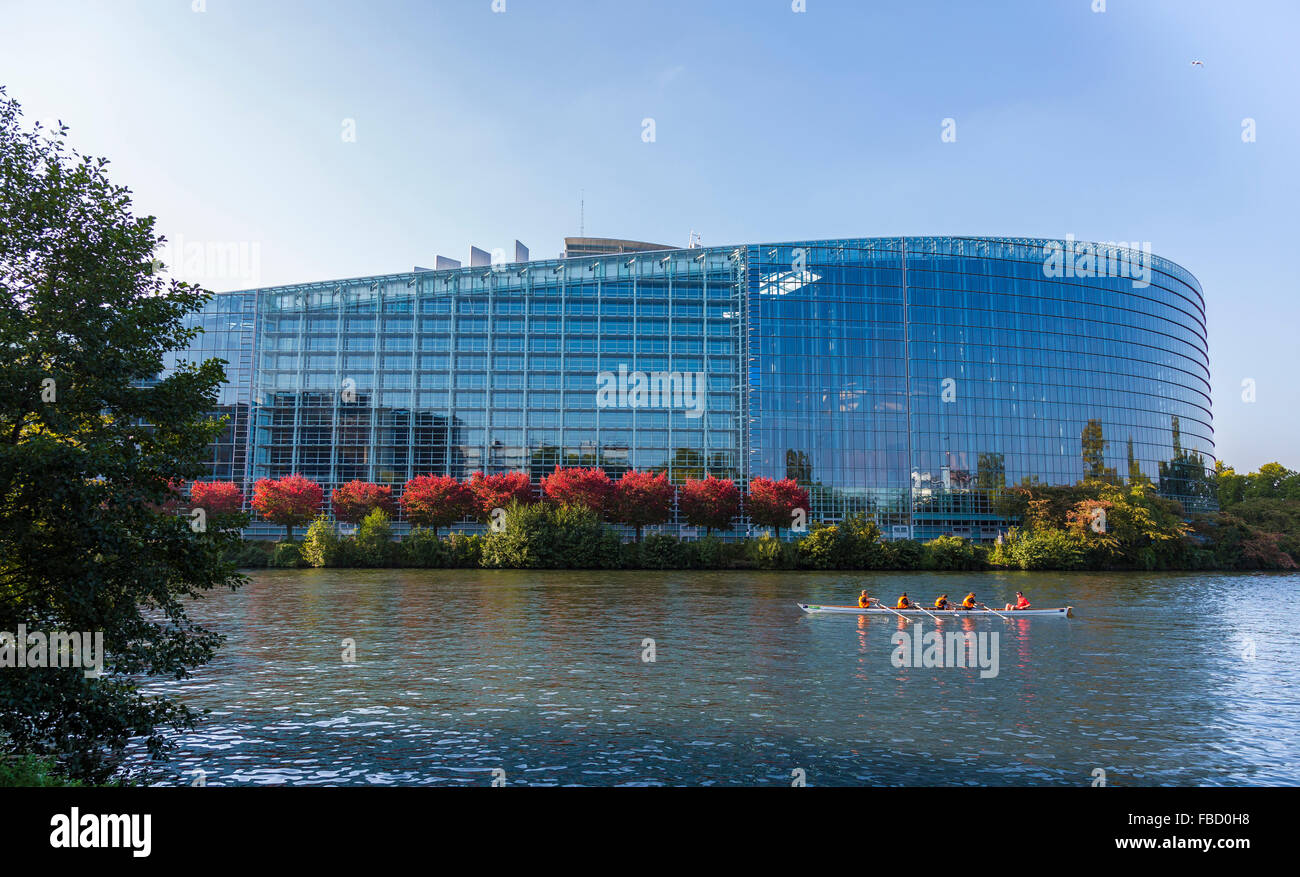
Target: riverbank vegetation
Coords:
[(1097, 524)]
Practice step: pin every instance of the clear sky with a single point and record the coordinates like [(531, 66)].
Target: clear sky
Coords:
[(231, 124)]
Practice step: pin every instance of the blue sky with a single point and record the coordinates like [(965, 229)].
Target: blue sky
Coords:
[(479, 127)]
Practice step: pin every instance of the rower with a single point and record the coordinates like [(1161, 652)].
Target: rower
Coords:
[(969, 603), (942, 603), (864, 601), (903, 602), (1022, 602)]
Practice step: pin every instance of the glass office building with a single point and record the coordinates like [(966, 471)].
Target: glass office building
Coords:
[(911, 379)]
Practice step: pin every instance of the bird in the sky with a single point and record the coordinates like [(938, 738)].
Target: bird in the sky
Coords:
[(1198, 63)]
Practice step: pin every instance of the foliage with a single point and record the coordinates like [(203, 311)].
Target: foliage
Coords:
[(953, 553), (217, 497), (582, 540), (436, 501), (287, 555), (1040, 549), (853, 544), (423, 549), (356, 499), (541, 536), (641, 498), (711, 503), (464, 550), (903, 554), (93, 439), (1096, 525), (373, 543), (769, 552), (773, 503), (31, 771), (1237, 543), (1129, 528), (662, 551), (291, 501), (251, 554), (579, 487), (1273, 481), (498, 491), (712, 553), (321, 546)]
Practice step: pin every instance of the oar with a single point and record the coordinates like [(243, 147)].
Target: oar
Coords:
[(896, 612), (927, 611), (996, 612)]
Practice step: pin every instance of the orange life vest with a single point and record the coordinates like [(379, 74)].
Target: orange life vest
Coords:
[(903, 603), (969, 602), (864, 602)]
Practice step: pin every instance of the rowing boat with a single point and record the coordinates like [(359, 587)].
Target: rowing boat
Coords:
[(815, 609)]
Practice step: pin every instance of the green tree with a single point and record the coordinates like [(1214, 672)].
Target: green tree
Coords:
[(321, 547), (92, 446), (374, 539), (1229, 487)]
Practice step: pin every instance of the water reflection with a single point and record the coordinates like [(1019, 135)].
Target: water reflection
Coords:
[(542, 674)]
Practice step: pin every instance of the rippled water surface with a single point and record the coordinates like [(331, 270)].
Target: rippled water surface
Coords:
[(1159, 679)]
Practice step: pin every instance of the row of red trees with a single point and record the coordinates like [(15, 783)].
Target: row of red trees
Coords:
[(638, 499)]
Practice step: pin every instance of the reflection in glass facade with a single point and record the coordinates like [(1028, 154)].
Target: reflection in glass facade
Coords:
[(911, 379)]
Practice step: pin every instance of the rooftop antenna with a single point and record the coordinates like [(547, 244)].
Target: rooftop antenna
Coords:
[(582, 213), (693, 241)]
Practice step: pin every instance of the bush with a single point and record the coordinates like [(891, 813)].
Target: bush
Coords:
[(954, 553), (821, 548), (249, 555), (287, 555), (1041, 549), (422, 548), (852, 544), (903, 554), (321, 545), (662, 551), (864, 548), (373, 544), (464, 551), (768, 552), (585, 542), (31, 771), (709, 553), (538, 536), (526, 541)]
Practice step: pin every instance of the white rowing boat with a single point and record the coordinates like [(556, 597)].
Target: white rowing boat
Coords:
[(815, 609)]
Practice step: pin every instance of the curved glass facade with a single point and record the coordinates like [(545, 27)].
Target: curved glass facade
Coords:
[(912, 379)]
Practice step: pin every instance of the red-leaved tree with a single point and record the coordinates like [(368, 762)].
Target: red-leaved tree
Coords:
[(216, 497), (711, 503), (292, 501), (575, 486), (356, 499), (772, 503), (496, 491), (436, 501), (641, 499)]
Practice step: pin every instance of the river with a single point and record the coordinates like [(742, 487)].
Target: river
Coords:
[(466, 677)]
